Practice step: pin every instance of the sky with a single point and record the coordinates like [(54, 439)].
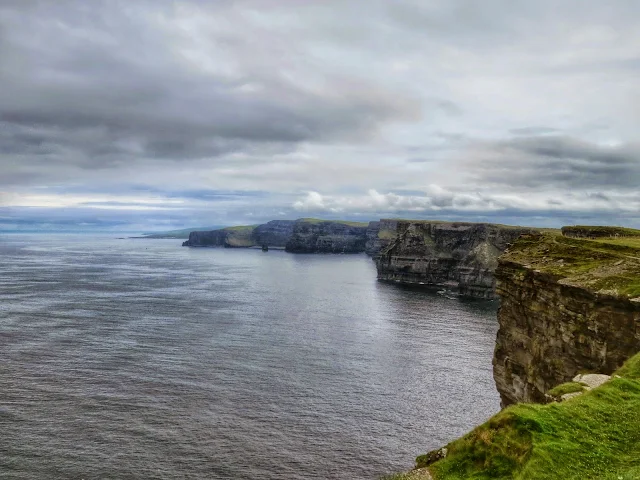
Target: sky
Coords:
[(141, 115)]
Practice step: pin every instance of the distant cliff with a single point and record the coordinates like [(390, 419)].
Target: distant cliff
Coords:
[(567, 305), (305, 235), (320, 236), (595, 232), (459, 256), (275, 233)]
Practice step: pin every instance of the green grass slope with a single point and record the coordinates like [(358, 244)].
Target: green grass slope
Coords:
[(593, 436)]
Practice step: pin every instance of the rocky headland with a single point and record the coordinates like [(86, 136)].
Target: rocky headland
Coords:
[(274, 234), (566, 305), (320, 236), (455, 255), (305, 235), (569, 331)]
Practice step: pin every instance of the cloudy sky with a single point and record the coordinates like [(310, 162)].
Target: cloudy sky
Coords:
[(151, 114)]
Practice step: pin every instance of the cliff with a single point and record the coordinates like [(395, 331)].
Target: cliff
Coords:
[(230, 237), (567, 305), (305, 235), (460, 256), (380, 235), (595, 435), (323, 236), (213, 238), (595, 232), (275, 233)]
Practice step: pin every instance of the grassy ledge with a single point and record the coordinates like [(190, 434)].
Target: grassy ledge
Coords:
[(593, 436)]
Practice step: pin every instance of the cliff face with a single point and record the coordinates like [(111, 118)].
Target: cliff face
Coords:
[(275, 233), (213, 238), (567, 306), (299, 236), (461, 256), (327, 237), (380, 235)]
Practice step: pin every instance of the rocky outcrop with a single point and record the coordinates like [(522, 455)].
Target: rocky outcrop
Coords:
[(213, 238), (318, 236), (275, 233), (380, 235), (567, 306), (594, 232), (458, 256), (299, 236)]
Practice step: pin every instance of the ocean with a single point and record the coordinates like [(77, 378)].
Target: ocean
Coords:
[(133, 358)]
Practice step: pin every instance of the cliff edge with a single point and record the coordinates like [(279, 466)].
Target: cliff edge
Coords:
[(567, 305)]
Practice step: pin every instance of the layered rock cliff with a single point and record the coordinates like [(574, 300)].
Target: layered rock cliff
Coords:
[(300, 236), (458, 256), (275, 233), (380, 235), (213, 238), (567, 306), (319, 236)]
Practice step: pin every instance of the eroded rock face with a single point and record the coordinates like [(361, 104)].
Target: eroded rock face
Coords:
[(552, 326), (459, 256), (212, 238), (380, 235), (326, 237), (275, 233)]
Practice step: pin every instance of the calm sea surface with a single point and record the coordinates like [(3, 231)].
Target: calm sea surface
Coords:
[(142, 359)]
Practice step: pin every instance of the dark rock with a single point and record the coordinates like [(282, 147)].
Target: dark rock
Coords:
[(327, 237), (432, 457), (458, 256), (275, 233), (380, 235), (213, 238)]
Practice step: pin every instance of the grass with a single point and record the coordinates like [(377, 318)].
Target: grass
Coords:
[(593, 436), (605, 265), (599, 231), (569, 387), (387, 234), (241, 228), (344, 222), (633, 242)]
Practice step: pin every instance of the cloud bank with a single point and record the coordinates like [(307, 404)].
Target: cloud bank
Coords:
[(156, 114)]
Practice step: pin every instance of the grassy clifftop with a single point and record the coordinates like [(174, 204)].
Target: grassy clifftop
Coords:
[(593, 436), (605, 265)]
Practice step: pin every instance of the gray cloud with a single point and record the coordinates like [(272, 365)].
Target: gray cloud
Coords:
[(460, 108), (107, 83), (560, 163)]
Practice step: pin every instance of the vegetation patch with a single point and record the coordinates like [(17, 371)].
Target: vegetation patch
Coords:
[(241, 228), (603, 265), (595, 231), (593, 436), (343, 222), (569, 387), (387, 234)]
